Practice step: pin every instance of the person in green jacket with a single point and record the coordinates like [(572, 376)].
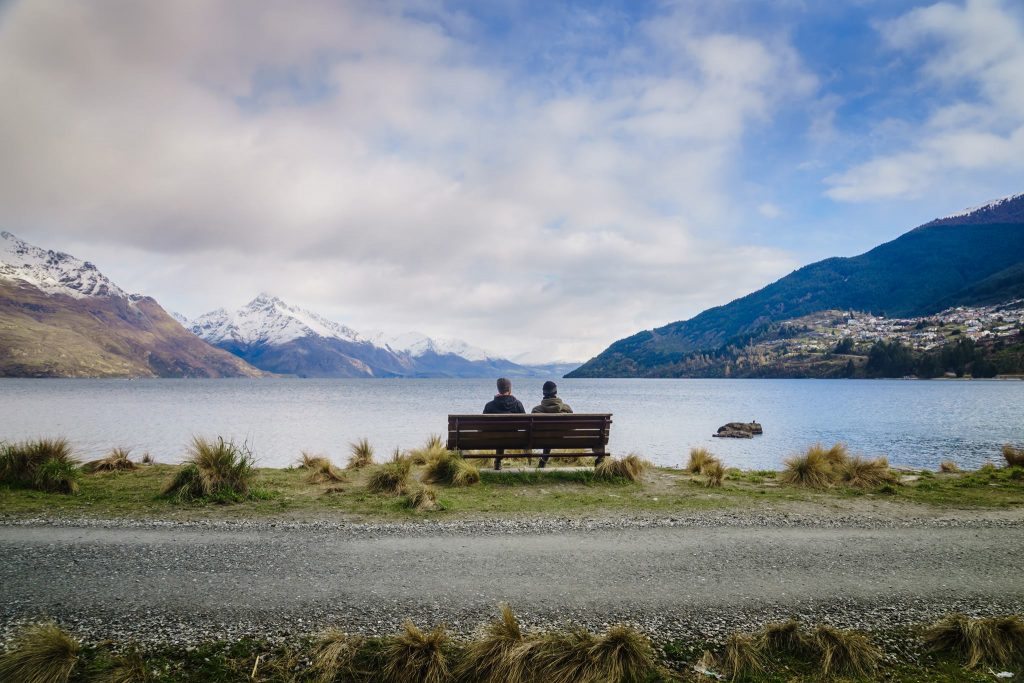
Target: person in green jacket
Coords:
[(550, 404)]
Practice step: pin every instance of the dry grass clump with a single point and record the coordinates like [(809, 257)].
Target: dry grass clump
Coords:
[(431, 450), (810, 470), (578, 656), (632, 468), (1014, 456), (451, 469), (334, 657), (744, 656), (949, 467), (115, 461), (787, 638), (713, 473), (39, 654), (699, 457), (392, 477), (43, 464), (499, 656), (995, 641), (423, 498), (412, 656), (845, 653), (859, 472), (361, 454), (321, 469), (131, 668), (836, 455), (221, 470)]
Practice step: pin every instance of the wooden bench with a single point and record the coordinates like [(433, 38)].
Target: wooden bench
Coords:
[(573, 434)]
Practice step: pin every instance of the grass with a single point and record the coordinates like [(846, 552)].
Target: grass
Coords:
[(949, 467), (498, 656), (335, 657), (321, 469), (811, 470), (744, 656), (415, 656), (630, 468), (423, 499), (391, 478), (360, 454), (44, 464), (431, 450), (713, 473), (845, 653), (221, 471), (859, 472), (115, 461), (786, 638), (451, 469), (39, 654), (1014, 456), (993, 641), (699, 457)]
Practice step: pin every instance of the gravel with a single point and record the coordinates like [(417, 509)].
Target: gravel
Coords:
[(693, 576)]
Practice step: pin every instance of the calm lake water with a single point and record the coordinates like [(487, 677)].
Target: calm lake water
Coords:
[(913, 423)]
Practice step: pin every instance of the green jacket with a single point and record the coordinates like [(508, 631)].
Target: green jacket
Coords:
[(552, 405)]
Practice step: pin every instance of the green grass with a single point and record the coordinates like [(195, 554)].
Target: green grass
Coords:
[(44, 464), (219, 471)]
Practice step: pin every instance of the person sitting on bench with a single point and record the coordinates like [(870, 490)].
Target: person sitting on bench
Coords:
[(550, 404), (504, 402)]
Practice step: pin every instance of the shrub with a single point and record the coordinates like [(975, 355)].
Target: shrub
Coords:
[(743, 656), (423, 498), (995, 641), (115, 461), (713, 473), (361, 454), (845, 653), (810, 470), (631, 468), (321, 470), (698, 458), (948, 466), (39, 654), (391, 477), (1014, 456), (861, 473), (221, 470), (334, 657), (43, 464), (451, 469), (414, 656)]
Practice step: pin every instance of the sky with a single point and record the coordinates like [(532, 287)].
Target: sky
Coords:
[(536, 178)]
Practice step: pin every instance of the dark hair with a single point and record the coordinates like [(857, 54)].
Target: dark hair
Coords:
[(550, 389), (504, 385)]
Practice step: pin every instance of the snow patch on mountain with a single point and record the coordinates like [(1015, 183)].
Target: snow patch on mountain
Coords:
[(53, 272), (987, 206), (417, 345), (266, 320)]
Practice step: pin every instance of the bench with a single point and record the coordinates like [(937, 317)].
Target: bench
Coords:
[(573, 434)]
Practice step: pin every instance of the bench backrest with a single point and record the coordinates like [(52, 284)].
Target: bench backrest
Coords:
[(577, 431)]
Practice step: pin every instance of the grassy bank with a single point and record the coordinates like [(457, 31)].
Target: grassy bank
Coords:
[(956, 648)]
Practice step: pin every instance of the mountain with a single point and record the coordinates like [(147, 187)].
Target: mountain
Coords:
[(61, 317), (975, 257), (277, 337)]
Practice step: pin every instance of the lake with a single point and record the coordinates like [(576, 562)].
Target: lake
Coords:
[(914, 423)]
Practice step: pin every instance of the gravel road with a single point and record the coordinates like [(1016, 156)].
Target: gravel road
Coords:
[(677, 578)]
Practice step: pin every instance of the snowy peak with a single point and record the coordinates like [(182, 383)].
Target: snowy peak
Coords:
[(418, 345), (53, 272), (267, 320), (1005, 210)]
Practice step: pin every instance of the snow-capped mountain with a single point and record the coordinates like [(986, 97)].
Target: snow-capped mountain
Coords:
[(53, 272), (986, 207), (281, 338), (61, 317)]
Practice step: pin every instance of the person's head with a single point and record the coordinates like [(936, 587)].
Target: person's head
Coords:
[(504, 386), (550, 389)]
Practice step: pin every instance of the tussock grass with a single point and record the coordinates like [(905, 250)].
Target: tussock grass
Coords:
[(1014, 456), (131, 668), (414, 656), (361, 454), (43, 464), (699, 457), (451, 469), (499, 656), (578, 656), (148, 459), (858, 472), (115, 461), (713, 473), (994, 641), (433, 449), (949, 467), (424, 499), (786, 638), (632, 468), (321, 469), (744, 657), (220, 470), (836, 455), (809, 470), (335, 656), (845, 653), (392, 477), (39, 654)]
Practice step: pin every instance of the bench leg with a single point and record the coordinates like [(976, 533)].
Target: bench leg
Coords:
[(544, 458), (497, 460), (598, 459)]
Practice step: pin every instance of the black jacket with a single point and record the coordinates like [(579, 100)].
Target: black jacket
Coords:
[(504, 404)]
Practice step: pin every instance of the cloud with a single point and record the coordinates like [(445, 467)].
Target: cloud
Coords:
[(372, 160), (972, 79)]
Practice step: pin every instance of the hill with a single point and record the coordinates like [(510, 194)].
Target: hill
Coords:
[(975, 257)]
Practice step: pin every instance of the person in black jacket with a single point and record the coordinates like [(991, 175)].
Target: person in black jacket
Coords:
[(504, 402)]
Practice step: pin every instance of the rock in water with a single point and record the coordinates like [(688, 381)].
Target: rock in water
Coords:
[(739, 430)]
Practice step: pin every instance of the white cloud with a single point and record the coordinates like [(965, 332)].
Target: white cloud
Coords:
[(974, 65), (369, 164)]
